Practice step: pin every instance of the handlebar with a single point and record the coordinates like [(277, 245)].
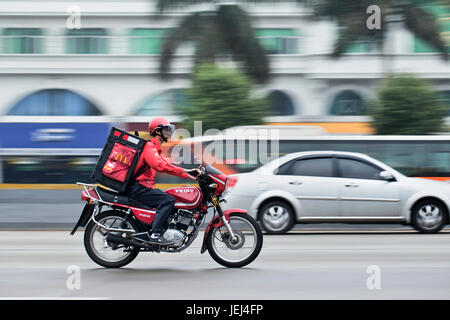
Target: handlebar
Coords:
[(193, 173)]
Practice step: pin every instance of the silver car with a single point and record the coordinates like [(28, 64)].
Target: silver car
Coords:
[(333, 186)]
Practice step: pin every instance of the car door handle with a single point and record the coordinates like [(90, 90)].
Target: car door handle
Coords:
[(352, 185), (296, 182)]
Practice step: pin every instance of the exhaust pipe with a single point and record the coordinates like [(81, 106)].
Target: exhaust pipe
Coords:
[(127, 241)]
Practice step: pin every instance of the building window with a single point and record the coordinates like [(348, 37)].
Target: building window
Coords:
[(169, 102), (23, 40), (364, 45), (442, 15), (54, 102), (278, 41), (280, 104), (348, 103), (86, 41), (146, 41)]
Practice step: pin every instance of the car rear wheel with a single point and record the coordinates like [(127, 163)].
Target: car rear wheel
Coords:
[(429, 216), (276, 217)]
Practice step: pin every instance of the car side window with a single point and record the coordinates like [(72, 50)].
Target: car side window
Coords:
[(354, 169), (312, 167)]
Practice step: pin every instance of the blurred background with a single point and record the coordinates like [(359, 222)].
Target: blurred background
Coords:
[(323, 73)]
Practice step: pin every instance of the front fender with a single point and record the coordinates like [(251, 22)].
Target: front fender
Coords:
[(217, 222)]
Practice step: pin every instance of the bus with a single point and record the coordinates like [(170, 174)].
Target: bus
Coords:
[(414, 156), (425, 156)]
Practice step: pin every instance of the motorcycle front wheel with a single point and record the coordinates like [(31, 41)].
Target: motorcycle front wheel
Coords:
[(240, 251)]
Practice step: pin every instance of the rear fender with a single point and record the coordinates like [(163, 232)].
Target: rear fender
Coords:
[(85, 216), (217, 222)]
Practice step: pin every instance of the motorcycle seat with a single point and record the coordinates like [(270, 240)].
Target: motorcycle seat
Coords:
[(121, 198)]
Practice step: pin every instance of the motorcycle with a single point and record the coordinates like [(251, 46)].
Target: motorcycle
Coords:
[(232, 237)]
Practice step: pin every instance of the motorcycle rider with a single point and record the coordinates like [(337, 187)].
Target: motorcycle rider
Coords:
[(142, 189)]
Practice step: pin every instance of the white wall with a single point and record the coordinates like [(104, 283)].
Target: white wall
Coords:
[(119, 82)]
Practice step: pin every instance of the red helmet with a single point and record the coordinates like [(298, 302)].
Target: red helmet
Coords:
[(159, 123)]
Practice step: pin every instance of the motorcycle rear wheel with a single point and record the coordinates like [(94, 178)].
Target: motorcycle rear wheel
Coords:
[(102, 252), (243, 250)]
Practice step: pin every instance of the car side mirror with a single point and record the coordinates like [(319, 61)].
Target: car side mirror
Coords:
[(387, 176)]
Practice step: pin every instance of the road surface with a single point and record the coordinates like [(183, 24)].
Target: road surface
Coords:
[(299, 265)]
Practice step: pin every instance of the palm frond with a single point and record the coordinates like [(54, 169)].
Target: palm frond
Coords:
[(208, 39), (187, 30), (163, 5), (335, 9), (352, 27), (422, 24), (419, 3), (239, 36)]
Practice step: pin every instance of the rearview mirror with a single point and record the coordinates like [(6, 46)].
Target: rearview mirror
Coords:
[(387, 176)]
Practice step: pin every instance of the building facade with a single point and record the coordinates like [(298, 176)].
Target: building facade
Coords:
[(109, 67)]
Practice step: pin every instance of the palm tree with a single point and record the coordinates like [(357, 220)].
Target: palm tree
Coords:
[(351, 18), (227, 28)]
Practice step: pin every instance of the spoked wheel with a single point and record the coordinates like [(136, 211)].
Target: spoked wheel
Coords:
[(240, 251), (109, 255)]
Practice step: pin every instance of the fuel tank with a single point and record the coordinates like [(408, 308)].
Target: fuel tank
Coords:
[(186, 197)]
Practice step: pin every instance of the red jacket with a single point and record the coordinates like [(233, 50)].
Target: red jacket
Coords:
[(151, 155)]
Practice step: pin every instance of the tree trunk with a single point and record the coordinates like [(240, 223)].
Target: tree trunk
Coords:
[(208, 41)]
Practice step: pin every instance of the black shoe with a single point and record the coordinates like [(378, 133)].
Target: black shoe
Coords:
[(157, 238)]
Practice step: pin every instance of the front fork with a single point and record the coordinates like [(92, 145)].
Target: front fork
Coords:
[(217, 221), (224, 219)]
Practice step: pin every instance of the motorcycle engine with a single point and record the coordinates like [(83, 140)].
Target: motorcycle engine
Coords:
[(183, 219), (174, 235), (180, 222)]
